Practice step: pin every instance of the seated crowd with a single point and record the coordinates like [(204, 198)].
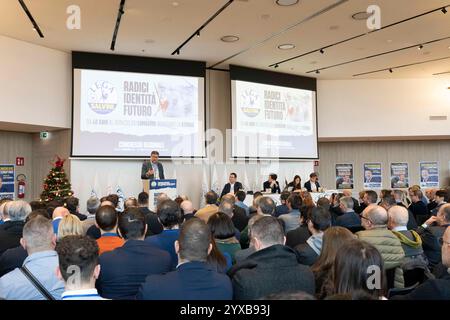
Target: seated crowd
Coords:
[(392, 245)]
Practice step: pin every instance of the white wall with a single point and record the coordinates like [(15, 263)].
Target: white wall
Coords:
[(35, 84), (383, 107)]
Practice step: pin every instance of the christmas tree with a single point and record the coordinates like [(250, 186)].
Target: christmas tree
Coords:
[(56, 186)]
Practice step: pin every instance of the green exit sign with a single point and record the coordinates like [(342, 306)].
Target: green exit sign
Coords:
[(44, 135)]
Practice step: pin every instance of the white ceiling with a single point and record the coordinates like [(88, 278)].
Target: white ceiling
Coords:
[(155, 28)]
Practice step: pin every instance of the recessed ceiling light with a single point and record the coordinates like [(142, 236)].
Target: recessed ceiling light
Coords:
[(334, 28), (389, 41), (363, 15), (149, 41), (229, 38), (265, 16), (286, 46), (285, 3), (175, 4), (313, 62)]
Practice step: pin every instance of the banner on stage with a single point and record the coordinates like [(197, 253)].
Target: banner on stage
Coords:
[(399, 175), (167, 186), (372, 175), (344, 176), (7, 185), (429, 174)]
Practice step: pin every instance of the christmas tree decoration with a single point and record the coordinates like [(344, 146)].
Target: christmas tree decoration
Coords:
[(56, 186)]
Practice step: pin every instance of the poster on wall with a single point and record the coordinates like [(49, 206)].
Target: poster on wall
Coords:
[(372, 175), (344, 176), (7, 181), (429, 174), (399, 175)]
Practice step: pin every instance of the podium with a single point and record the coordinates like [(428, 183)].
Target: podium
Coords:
[(155, 187)]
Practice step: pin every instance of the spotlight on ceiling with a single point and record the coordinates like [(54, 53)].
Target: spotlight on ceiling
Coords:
[(444, 10), (420, 47), (363, 15), (286, 46), (198, 34), (276, 66), (322, 51), (391, 71), (229, 38), (317, 71), (285, 3)]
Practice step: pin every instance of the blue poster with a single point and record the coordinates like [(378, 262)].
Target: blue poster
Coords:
[(429, 174), (372, 175), (7, 181), (168, 186), (399, 175)]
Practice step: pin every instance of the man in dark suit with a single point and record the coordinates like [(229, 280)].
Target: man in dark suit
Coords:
[(193, 279), (125, 268), (153, 224), (273, 268), (11, 230), (368, 177), (431, 233), (238, 215), (152, 169), (232, 186), (349, 219), (417, 207), (272, 184), (312, 185)]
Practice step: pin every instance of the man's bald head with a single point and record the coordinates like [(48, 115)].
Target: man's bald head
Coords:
[(60, 212), (187, 207), (229, 197), (347, 192), (107, 203), (376, 215), (398, 217)]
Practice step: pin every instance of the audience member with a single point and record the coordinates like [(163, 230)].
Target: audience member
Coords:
[(400, 198), (153, 224), (92, 204), (291, 220), (349, 219), (125, 268), (301, 234), (130, 202), (193, 278), (354, 268), (282, 208), (39, 240), (57, 215), (333, 239), (375, 220), (169, 216), (70, 226), (106, 219), (223, 232), (11, 230), (435, 289), (253, 207), (211, 207), (239, 217), (187, 208), (273, 268), (431, 233), (440, 198), (240, 197), (417, 207), (80, 254), (370, 197), (431, 196), (388, 202), (73, 205), (319, 221)]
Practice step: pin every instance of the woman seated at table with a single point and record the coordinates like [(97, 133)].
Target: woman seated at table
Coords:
[(295, 184)]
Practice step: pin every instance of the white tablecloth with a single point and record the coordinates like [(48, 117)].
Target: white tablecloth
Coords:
[(276, 197)]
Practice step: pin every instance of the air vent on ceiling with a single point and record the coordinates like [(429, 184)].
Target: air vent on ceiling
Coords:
[(437, 118)]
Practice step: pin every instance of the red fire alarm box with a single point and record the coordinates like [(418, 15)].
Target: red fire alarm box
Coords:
[(20, 161), (316, 163)]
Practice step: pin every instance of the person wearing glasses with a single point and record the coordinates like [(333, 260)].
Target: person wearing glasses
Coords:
[(432, 231), (374, 219)]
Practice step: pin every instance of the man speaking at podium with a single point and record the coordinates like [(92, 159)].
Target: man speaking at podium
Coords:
[(152, 169)]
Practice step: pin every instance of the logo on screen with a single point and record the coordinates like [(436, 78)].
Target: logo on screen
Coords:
[(250, 103), (102, 97), (153, 184)]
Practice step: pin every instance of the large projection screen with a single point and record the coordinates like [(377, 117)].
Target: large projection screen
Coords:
[(274, 115), (125, 114)]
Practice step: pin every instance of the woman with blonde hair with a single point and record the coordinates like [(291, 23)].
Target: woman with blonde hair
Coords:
[(70, 225)]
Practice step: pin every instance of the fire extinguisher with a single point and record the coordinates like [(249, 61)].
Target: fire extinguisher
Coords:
[(21, 178)]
